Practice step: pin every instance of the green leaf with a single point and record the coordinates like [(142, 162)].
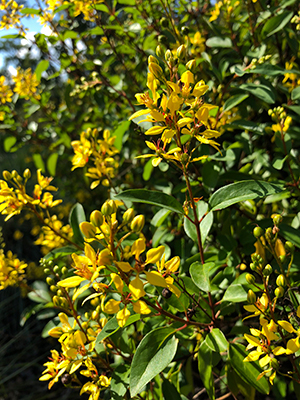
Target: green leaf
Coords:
[(234, 101), (276, 24), (159, 217), (112, 326), (169, 391), (51, 163), (151, 197), (32, 109), (200, 275), (41, 67), (77, 215), (219, 42), (205, 369), (40, 292), (38, 161), (248, 371), (235, 293), (70, 35), (30, 11), (278, 164), (295, 95), (154, 353), (261, 91), (241, 191), (119, 382), (216, 341), (9, 142), (290, 233), (206, 223), (119, 133), (60, 253), (15, 36)]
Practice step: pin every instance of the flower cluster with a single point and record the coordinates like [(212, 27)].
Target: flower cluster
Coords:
[(176, 109), (13, 199), (11, 17), (5, 91), (101, 151), (12, 270), (26, 84)]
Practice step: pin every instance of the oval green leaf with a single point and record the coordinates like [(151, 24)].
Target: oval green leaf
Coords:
[(241, 191), (153, 355), (200, 275), (151, 197), (216, 341), (260, 91)]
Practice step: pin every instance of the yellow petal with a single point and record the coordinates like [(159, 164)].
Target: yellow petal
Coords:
[(155, 130), (140, 307), (118, 282), (139, 113), (252, 340), (287, 326), (112, 306), (264, 361), (73, 281), (136, 288), (155, 278), (122, 316), (124, 266), (154, 255), (278, 351)]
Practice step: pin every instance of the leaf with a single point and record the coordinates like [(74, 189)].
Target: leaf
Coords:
[(205, 224), (60, 253), (51, 163), (261, 91), (30, 11), (234, 101), (290, 233), (9, 142), (276, 24), (151, 197), (14, 36), (41, 67), (248, 371), (40, 292), (119, 133), (32, 109), (38, 162), (159, 217), (278, 164), (217, 41), (169, 391), (235, 293), (154, 353), (216, 341), (241, 191), (205, 369), (77, 215), (295, 95), (70, 35), (112, 326), (148, 168), (200, 275)]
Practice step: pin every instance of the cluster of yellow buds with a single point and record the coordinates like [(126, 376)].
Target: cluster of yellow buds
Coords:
[(296, 20), (14, 198), (228, 7), (175, 108), (12, 270), (26, 83), (274, 329), (283, 122), (86, 84), (5, 92), (261, 60), (101, 151)]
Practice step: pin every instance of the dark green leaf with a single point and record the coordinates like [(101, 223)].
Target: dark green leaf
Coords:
[(154, 353), (151, 197), (205, 369), (119, 133), (205, 224), (234, 101), (248, 371), (261, 91), (290, 233), (77, 215), (241, 191), (169, 391), (235, 293), (60, 253), (38, 161)]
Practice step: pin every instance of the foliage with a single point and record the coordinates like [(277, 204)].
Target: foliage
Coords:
[(171, 268)]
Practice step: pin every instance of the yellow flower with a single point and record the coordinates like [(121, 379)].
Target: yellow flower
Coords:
[(5, 91), (26, 83)]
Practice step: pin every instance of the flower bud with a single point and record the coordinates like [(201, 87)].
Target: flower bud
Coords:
[(64, 270), (88, 230), (253, 266), (138, 223), (47, 271), (250, 279), (269, 234), (277, 218), (53, 288), (281, 280), (156, 70), (96, 218), (168, 55), (15, 175), (289, 247), (95, 315), (274, 364), (282, 258), (27, 173), (258, 232), (279, 291), (267, 270), (159, 51), (243, 267), (152, 59), (191, 65), (163, 39), (56, 269), (109, 207), (128, 216), (7, 175), (56, 301), (181, 51), (251, 297), (164, 22), (50, 281)]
